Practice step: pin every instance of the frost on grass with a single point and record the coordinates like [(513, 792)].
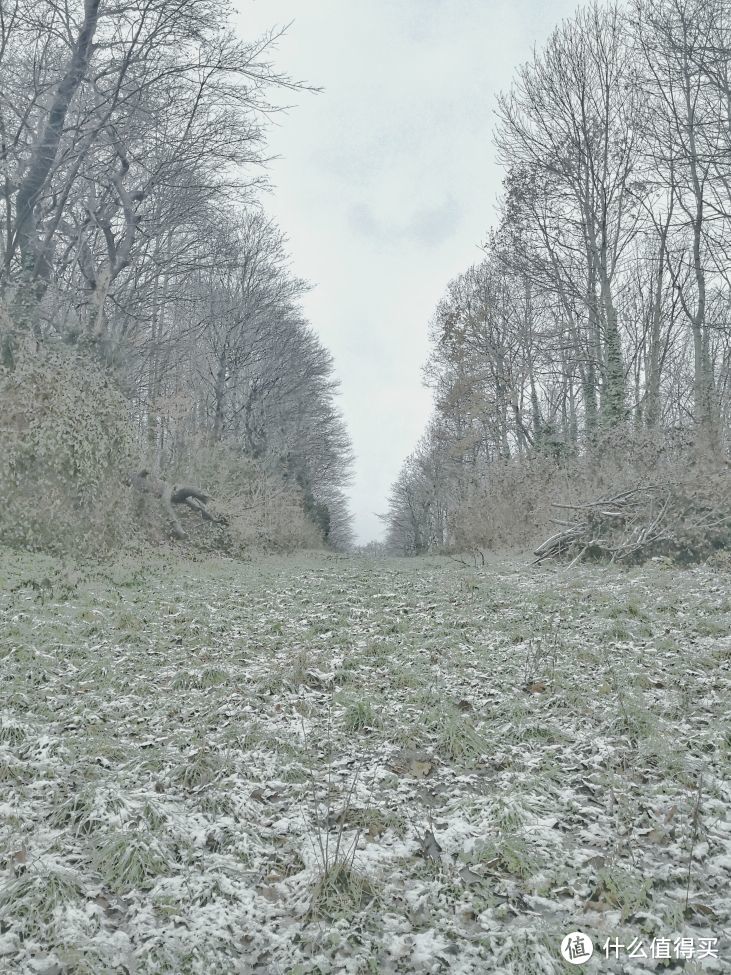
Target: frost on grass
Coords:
[(329, 765)]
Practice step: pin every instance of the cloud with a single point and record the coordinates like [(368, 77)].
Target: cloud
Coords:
[(428, 225), (433, 225), (362, 220)]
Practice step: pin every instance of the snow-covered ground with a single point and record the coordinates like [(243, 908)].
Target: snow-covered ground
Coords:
[(323, 764)]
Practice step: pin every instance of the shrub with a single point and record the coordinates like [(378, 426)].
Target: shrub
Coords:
[(259, 508), (67, 447), (519, 500)]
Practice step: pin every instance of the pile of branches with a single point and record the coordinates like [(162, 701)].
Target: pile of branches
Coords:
[(686, 522)]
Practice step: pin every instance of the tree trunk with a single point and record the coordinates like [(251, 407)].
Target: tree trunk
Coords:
[(219, 392), (36, 270)]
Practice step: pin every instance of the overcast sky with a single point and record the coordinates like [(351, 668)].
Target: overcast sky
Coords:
[(386, 187)]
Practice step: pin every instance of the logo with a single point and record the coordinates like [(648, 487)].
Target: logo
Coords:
[(577, 948)]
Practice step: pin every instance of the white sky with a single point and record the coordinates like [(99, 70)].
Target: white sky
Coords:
[(386, 187)]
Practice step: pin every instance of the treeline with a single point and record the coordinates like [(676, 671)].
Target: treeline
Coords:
[(592, 345), (132, 160)]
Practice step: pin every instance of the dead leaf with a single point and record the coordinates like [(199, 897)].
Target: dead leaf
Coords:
[(270, 893), (420, 770), (703, 909), (470, 877), (657, 836), (493, 864), (601, 907), (264, 794), (430, 849), (52, 968)]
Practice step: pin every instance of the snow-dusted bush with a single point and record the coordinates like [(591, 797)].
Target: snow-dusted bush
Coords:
[(520, 501), (255, 505), (66, 448)]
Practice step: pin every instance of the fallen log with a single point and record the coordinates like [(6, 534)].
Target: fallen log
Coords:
[(173, 494)]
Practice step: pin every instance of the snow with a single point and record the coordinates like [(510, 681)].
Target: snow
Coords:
[(521, 774)]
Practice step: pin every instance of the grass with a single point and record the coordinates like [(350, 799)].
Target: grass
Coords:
[(323, 764), (340, 891), (360, 716), (131, 860)]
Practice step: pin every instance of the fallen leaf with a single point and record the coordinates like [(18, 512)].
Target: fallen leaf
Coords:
[(51, 968), (492, 864), (657, 836), (469, 876), (270, 893), (430, 849), (601, 907), (703, 909), (420, 770)]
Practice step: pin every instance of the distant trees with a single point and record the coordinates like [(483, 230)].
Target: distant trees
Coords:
[(132, 139), (417, 516), (600, 311)]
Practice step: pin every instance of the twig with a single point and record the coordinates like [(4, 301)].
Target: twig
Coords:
[(694, 837)]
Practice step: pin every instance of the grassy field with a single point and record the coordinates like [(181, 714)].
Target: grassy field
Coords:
[(327, 764)]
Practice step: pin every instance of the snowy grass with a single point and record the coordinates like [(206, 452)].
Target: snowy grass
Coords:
[(323, 765)]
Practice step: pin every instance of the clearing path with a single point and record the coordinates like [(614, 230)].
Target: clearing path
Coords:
[(326, 764)]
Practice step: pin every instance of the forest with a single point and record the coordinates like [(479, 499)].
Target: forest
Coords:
[(587, 357), (150, 318)]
